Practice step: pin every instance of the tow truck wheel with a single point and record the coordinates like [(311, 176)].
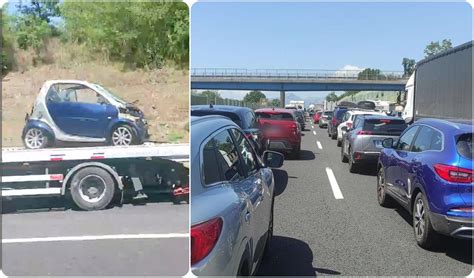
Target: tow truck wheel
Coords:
[(36, 138), (92, 188)]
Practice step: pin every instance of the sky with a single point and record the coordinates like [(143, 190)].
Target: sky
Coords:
[(329, 36)]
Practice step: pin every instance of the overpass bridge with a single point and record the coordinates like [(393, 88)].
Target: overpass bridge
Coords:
[(295, 80)]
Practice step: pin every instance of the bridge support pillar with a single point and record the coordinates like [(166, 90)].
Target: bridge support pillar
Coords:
[(282, 99)]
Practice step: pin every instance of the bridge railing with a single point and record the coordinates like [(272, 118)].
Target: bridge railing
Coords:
[(297, 73)]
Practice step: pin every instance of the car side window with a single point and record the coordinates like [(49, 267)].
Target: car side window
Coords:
[(423, 140), (406, 139), (246, 152), (220, 159)]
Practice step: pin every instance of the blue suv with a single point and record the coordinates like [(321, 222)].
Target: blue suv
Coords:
[(429, 171), (82, 112)]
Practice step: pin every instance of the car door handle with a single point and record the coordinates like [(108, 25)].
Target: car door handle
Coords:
[(248, 215)]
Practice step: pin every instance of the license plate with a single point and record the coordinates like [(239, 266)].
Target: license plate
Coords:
[(378, 144)]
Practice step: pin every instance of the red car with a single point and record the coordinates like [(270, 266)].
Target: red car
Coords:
[(316, 117), (281, 131)]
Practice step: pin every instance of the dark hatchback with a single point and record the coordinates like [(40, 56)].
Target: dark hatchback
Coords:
[(338, 115), (244, 117)]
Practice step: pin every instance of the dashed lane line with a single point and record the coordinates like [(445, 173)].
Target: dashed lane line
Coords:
[(319, 145), (334, 186), (314, 132)]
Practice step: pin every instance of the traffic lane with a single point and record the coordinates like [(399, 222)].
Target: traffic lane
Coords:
[(154, 218), (132, 257), (338, 238), (390, 230)]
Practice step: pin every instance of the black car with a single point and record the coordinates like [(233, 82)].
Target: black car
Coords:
[(338, 115), (300, 118), (244, 117)]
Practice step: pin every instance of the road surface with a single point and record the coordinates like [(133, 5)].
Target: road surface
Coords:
[(327, 222), (151, 239)]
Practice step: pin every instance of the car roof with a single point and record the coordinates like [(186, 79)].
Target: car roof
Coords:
[(201, 127), (274, 110), (359, 112), (449, 126), (369, 117), (223, 108)]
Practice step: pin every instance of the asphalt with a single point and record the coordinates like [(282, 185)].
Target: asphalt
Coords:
[(317, 234), (164, 254)]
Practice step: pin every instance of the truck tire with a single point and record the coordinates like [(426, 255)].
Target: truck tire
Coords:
[(92, 188)]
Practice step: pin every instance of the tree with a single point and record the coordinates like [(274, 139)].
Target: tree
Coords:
[(141, 34), (331, 97), (371, 74), (275, 102), (436, 47), (211, 95), (348, 94), (254, 97), (408, 66), (43, 10)]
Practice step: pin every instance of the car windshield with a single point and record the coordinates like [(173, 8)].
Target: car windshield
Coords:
[(108, 93), (234, 117), (464, 145), (327, 113), (275, 116), (390, 126)]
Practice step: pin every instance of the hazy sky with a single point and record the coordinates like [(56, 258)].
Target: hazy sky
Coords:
[(321, 35)]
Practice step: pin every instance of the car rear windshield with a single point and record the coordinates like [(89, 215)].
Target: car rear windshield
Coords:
[(234, 117), (385, 126), (340, 114), (328, 113), (464, 145), (275, 116)]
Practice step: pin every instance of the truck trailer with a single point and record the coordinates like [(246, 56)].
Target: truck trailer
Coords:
[(93, 177), (441, 86)]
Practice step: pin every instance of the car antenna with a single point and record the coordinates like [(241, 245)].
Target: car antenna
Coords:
[(273, 108), (210, 105)]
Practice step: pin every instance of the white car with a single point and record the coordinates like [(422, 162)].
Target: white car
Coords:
[(348, 119)]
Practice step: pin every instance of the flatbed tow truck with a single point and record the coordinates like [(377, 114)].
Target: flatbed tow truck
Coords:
[(95, 177)]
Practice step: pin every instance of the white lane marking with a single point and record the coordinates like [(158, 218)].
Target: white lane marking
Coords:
[(314, 132), (319, 145), (335, 187), (312, 126), (98, 237)]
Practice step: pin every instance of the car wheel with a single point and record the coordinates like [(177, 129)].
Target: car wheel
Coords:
[(425, 235), (382, 197), (352, 165), (296, 152), (339, 142), (343, 156), (122, 136), (36, 138), (92, 188)]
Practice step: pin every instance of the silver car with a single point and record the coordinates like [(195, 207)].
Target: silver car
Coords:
[(231, 199), (325, 118), (363, 142)]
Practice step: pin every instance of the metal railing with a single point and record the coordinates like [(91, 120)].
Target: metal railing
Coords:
[(296, 73)]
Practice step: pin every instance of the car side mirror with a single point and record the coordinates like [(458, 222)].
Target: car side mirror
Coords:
[(387, 143), (344, 128), (273, 159)]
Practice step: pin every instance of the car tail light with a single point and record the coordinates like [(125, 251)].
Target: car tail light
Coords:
[(204, 237), (453, 173), (365, 132)]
